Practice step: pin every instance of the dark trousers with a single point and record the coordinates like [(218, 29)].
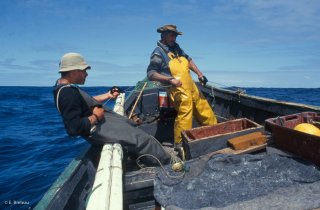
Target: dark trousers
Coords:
[(118, 129)]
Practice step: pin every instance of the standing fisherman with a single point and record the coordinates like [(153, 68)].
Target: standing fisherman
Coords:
[(169, 64)]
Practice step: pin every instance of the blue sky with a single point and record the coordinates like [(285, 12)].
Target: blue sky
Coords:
[(247, 43)]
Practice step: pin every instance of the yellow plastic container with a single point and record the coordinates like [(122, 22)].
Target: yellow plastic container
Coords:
[(307, 128)]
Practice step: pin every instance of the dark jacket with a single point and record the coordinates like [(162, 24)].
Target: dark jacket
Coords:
[(159, 61), (74, 111)]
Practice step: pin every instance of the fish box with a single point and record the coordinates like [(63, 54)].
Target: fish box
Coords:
[(286, 138), (207, 139)]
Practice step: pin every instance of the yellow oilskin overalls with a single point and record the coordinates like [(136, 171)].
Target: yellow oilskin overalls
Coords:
[(188, 101)]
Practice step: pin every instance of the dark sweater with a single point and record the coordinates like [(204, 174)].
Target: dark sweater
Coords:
[(74, 111)]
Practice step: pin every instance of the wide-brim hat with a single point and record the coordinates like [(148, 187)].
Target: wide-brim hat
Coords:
[(72, 61), (172, 28)]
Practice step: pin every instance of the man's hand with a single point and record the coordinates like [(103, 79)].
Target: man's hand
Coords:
[(115, 92), (175, 82), (203, 80), (98, 112), (116, 89), (113, 95)]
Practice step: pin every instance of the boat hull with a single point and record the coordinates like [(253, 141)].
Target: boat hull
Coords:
[(73, 186)]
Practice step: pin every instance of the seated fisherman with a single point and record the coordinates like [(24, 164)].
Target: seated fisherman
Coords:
[(84, 115)]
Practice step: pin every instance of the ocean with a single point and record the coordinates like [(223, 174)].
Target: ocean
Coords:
[(35, 149)]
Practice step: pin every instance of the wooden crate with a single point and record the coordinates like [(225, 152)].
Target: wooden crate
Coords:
[(286, 138), (207, 139)]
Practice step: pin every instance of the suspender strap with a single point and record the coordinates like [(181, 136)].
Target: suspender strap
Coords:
[(58, 94)]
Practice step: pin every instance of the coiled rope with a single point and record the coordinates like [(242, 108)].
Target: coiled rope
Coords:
[(176, 165)]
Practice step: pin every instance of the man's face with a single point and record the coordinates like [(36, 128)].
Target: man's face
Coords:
[(80, 76), (170, 39)]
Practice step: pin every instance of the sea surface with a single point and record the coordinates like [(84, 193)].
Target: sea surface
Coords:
[(35, 149)]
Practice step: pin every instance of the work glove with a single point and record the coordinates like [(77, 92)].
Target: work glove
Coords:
[(115, 89), (203, 80)]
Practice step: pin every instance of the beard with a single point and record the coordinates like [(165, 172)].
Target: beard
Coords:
[(171, 44)]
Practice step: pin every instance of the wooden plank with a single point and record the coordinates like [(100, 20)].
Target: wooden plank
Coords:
[(229, 150), (246, 141)]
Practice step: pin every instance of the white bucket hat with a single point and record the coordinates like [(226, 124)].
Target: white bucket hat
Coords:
[(72, 61)]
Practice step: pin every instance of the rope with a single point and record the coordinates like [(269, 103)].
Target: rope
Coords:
[(106, 102), (315, 122), (213, 98), (172, 162), (126, 91), (135, 104), (150, 88), (167, 86), (209, 81), (228, 87)]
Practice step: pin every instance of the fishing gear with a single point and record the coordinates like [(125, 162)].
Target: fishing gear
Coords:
[(176, 165), (115, 89), (97, 105), (203, 80), (135, 104)]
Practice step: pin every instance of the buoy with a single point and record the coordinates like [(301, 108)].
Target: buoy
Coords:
[(177, 167), (307, 128)]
